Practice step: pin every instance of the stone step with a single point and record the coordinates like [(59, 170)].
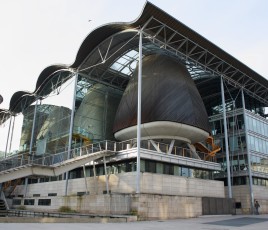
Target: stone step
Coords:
[(2, 205)]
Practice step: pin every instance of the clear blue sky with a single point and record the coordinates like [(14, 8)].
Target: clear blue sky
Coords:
[(39, 33)]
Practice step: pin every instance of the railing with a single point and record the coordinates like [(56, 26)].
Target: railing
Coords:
[(40, 214), (48, 160), (162, 148), (4, 199), (51, 159)]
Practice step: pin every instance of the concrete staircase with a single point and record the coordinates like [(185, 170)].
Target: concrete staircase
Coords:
[(56, 169), (3, 208)]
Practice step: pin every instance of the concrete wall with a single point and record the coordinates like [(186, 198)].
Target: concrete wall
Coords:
[(241, 194), (162, 196), (126, 183), (150, 207), (95, 204), (146, 206), (177, 185)]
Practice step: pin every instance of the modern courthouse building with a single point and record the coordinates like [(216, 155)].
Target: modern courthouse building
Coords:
[(151, 119)]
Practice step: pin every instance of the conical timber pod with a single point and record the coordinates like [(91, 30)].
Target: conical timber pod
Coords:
[(171, 105)]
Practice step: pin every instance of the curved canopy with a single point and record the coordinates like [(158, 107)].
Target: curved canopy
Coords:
[(105, 56)]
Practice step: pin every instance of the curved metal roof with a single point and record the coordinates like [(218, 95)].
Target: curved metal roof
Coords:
[(162, 33)]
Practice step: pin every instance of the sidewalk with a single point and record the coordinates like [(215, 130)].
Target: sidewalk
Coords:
[(244, 222)]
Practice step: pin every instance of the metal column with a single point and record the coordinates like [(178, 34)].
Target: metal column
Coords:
[(139, 114), (106, 176), (71, 132), (31, 144), (248, 153), (33, 128), (26, 186), (11, 136), (8, 133), (94, 174), (85, 177), (226, 140)]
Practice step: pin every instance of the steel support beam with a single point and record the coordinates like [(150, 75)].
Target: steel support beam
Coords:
[(106, 176), (33, 128), (8, 134), (85, 177), (12, 132), (71, 131), (226, 140), (139, 114), (248, 154), (95, 181)]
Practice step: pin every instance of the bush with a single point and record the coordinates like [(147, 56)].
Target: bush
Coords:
[(134, 213), (66, 209), (22, 207)]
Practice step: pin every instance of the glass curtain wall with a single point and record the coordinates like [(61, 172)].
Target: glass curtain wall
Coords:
[(4, 127), (10, 132), (52, 119), (95, 109), (236, 140), (258, 142)]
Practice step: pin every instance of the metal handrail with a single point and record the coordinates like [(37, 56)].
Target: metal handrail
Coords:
[(4, 199), (29, 213), (23, 159)]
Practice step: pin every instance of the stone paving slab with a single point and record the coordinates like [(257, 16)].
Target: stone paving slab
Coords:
[(239, 222), (204, 223)]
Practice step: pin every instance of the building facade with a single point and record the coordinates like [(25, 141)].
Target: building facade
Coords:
[(193, 135)]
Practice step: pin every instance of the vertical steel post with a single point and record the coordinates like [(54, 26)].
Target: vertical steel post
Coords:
[(104, 123), (71, 132), (85, 177), (248, 154), (106, 176), (139, 114), (33, 127), (94, 174), (226, 140), (8, 133), (11, 136), (26, 186)]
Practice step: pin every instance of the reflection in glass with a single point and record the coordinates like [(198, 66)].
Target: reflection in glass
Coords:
[(96, 105), (52, 118)]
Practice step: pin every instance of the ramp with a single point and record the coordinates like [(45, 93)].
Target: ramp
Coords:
[(52, 165), (52, 170)]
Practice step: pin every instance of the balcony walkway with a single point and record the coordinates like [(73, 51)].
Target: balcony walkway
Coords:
[(24, 165)]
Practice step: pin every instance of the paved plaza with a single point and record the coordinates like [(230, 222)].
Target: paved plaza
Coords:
[(206, 223)]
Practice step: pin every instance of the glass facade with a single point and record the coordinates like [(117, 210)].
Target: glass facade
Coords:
[(257, 127), (95, 108), (52, 119), (10, 132), (49, 117), (149, 166)]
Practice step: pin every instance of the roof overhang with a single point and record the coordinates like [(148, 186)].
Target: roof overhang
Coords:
[(161, 33)]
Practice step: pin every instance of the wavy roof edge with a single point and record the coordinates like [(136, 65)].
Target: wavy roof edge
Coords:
[(103, 32)]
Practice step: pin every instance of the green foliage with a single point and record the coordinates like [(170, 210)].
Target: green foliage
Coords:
[(22, 207), (134, 213), (66, 209)]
